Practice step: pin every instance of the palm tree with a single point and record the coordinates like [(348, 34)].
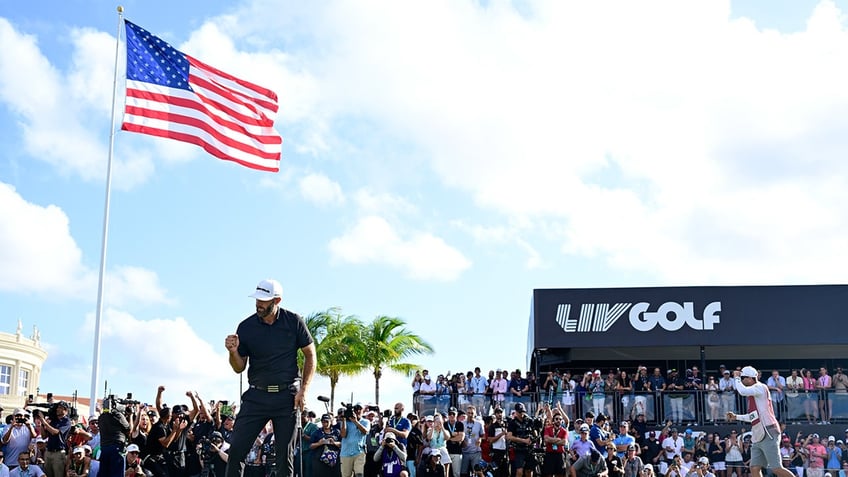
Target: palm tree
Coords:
[(386, 343), (336, 344)]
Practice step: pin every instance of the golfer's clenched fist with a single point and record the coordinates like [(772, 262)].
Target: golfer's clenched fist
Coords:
[(232, 343)]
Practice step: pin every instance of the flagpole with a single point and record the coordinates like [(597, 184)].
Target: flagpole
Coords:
[(95, 360)]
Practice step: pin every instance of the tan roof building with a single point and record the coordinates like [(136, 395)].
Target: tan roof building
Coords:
[(21, 359)]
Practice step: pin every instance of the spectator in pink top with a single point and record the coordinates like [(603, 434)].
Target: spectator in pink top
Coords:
[(823, 385)]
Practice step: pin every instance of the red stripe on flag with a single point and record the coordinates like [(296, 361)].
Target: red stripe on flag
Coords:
[(237, 126), (191, 139)]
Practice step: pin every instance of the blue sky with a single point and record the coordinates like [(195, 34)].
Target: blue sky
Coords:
[(440, 161)]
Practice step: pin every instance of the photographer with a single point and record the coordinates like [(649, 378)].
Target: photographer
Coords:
[(212, 453), (114, 434), (56, 431), (17, 437), (518, 434), (392, 456), (161, 437), (701, 468), (353, 432), (132, 463)]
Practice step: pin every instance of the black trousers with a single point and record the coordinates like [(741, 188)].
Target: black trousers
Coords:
[(257, 408)]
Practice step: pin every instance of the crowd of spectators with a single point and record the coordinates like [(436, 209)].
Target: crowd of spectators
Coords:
[(641, 424), (685, 396)]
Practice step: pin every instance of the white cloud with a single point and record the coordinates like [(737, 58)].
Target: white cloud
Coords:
[(629, 147), (127, 284), (321, 190), (422, 256), (383, 203), (499, 235), (177, 358), (38, 254), (41, 258)]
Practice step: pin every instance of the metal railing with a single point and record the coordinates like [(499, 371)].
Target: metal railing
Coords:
[(679, 407)]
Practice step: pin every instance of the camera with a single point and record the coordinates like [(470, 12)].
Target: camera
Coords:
[(348, 411), (22, 419), (387, 413)]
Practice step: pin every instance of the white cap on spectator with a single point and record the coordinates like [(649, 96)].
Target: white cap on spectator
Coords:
[(133, 448)]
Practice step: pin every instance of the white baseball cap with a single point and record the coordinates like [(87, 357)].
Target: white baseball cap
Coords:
[(749, 372), (267, 290), (133, 448)]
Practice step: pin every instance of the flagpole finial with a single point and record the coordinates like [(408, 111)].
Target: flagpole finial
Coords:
[(120, 9)]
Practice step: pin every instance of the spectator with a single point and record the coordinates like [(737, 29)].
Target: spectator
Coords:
[(834, 456), (427, 386), (94, 431), (496, 434), (567, 388), (132, 462), (840, 381), (474, 434), (590, 465), (633, 465), (18, 436), (78, 465), (625, 389), (518, 387), (733, 454), (816, 455), (615, 464), (57, 433), (713, 400), (432, 465), (325, 444), (823, 385), (353, 432), (415, 443), (623, 440), (652, 451), (392, 456), (416, 381), (4, 469), (555, 437), (794, 392), (596, 388), (477, 387), (456, 432), (715, 451), (727, 387), (810, 396), (499, 388), (583, 446), (308, 427), (610, 388), (777, 386), (24, 468)]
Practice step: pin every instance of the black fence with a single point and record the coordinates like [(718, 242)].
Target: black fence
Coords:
[(679, 407)]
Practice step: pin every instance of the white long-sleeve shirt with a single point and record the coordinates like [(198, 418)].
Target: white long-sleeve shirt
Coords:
[(760, 411)]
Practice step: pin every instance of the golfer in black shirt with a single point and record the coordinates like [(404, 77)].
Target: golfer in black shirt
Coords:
[(269, 340)]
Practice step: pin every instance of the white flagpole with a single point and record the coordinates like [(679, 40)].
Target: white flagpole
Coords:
[(95, 360)]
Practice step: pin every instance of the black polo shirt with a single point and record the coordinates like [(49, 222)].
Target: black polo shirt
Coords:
[(271, 350)]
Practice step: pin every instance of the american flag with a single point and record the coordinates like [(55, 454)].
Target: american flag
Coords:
[(170, 94)]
